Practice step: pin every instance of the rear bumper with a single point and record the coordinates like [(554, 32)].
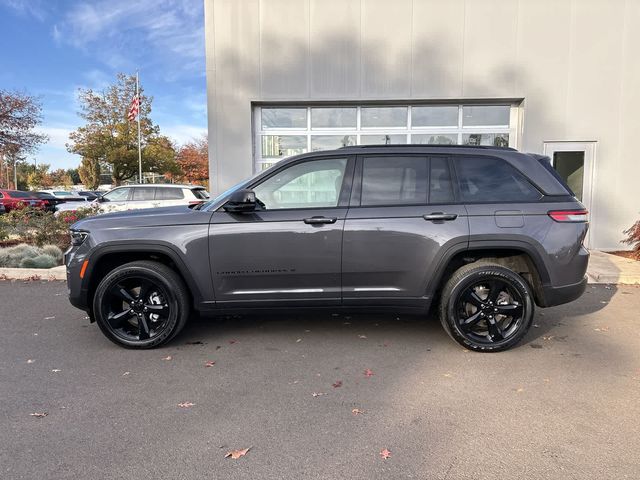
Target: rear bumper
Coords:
[(564, 294)]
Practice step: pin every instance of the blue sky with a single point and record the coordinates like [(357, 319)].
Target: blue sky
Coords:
[(50, 48)]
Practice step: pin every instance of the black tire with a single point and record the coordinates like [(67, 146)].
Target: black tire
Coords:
[(486, 307), (141, 304)]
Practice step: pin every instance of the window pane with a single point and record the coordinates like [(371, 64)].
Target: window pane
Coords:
[(485, 115), (169, 193), (119, 195), (284, 118), (383, 117), (435, 139), (330, 142), (570, 166), (304, 185), (484, 179), (394, 181), (441, 188), (446, 116), (283, 145), (382, 139), (493, 139), (143, 193), (333, 117)]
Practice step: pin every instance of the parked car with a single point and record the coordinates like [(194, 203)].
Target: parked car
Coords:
[(17, 199), (483, 234), (73, 201), (90, 195), (50, 201), (60, 194), (133, 197)]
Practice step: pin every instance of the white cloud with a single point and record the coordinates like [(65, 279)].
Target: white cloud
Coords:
[(34, 8)]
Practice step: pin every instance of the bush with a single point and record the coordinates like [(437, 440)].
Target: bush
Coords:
[(29, 256), (633, 238)]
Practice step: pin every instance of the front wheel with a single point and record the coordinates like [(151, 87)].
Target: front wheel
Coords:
[(141, 304), (486, 307)]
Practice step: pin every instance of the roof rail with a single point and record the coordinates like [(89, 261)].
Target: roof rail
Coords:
[(423, 145)]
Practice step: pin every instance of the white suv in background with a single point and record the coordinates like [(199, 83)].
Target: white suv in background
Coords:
[(132, 197)]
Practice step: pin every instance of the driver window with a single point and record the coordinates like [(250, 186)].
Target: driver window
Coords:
[(119, 195), (313, 184)]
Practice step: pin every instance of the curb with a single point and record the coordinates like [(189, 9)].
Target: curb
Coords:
[(49, 274)]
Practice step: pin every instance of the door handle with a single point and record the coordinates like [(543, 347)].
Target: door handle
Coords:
[(319, 220), (440, 216)]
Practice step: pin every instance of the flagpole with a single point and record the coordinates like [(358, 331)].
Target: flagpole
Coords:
[(139, 113)]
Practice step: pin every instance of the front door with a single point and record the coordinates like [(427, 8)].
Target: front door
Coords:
[(289, 251), (402, 217), (574, 161)]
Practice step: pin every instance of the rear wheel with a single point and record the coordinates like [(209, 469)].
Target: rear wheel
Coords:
[(141, 304), (486, 307)]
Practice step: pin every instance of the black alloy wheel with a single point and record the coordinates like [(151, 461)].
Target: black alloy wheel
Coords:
[(486, 307), (141, 304)]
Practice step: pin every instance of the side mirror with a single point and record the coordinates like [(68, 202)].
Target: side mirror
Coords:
[(241, 201)]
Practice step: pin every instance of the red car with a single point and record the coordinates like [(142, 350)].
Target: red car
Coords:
[(16, 199)]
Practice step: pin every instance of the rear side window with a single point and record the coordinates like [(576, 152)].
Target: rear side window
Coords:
[(200, 193), (441, 187), (485, 179), (169, 193), (392, 180), (143, 193)]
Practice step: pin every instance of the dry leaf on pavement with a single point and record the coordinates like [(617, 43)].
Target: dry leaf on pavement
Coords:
[(186, 404), (368, 373), (318, 394), (385, 454), (362, 336), (357, 411), (168, 357), (236, 454), (39, 415), (210, 363), (31, 360), (338, 384)]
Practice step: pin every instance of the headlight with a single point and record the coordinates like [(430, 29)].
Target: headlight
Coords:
[(78, 237)]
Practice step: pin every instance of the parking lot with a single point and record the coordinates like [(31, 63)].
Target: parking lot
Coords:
[(564, 404)]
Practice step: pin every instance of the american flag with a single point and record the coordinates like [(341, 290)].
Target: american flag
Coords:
[(134, 109)]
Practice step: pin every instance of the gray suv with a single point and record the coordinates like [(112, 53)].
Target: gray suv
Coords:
[(482, 233)]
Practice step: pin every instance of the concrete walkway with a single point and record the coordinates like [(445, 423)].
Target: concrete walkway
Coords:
[(56, 273), (608, 268)]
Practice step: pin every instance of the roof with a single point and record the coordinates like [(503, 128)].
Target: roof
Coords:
[(428, 145), (160, 185)]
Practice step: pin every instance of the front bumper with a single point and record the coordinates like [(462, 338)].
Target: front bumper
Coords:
[(566, 293), (77, 289)]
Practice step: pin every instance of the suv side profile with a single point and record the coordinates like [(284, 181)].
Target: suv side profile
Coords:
[(133, 197), (484, 234)]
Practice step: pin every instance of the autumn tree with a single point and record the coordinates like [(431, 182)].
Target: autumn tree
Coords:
[(89, 171), (20, 114), (193, 159), (109, 137), (61, 178), (39, 177)]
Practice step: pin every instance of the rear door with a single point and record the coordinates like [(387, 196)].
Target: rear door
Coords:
[(169, 197), (403, 216), (141, 197)]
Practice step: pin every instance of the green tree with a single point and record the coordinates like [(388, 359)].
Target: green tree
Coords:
[(109, 137), (38, 177), (89, 171)]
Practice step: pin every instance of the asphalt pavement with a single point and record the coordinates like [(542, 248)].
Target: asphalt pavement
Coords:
[(565, 404)]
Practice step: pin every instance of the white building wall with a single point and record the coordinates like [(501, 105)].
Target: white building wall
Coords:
[(573, 62)]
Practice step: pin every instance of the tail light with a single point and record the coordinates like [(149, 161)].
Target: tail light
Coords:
[(571, 216)]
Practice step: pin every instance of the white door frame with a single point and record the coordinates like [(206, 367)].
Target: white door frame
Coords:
[(588, 187)]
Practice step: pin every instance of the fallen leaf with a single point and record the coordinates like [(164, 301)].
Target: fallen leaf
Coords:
[(602, 329), (535, 325), (186, 404), (210, 363), (307, 331), (318, 394), (298, 340), (338, 384), (448, 375), (357, 411), (548, 337), (236, 454), (519, 390), (385, 454), (31, 360), (546, 380), (56, 370), (39, 415), (231, 342), (385, 344), (168, 357), (125, 373), (49, 318), (362, 336), (368, 373)]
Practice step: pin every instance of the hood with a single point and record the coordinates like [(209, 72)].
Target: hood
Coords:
[(149, 217)]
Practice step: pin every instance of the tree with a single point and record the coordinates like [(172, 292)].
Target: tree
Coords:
[(89, 171), (38, 177), (74, 175), (109, 137), (193, 159), (20, 114), (60, 178)]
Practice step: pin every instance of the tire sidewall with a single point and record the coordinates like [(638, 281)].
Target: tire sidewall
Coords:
[(120, 274), (515, 281)]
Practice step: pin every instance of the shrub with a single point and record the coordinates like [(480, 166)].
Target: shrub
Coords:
[(41, 261), (29, 256), (633, 238)]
